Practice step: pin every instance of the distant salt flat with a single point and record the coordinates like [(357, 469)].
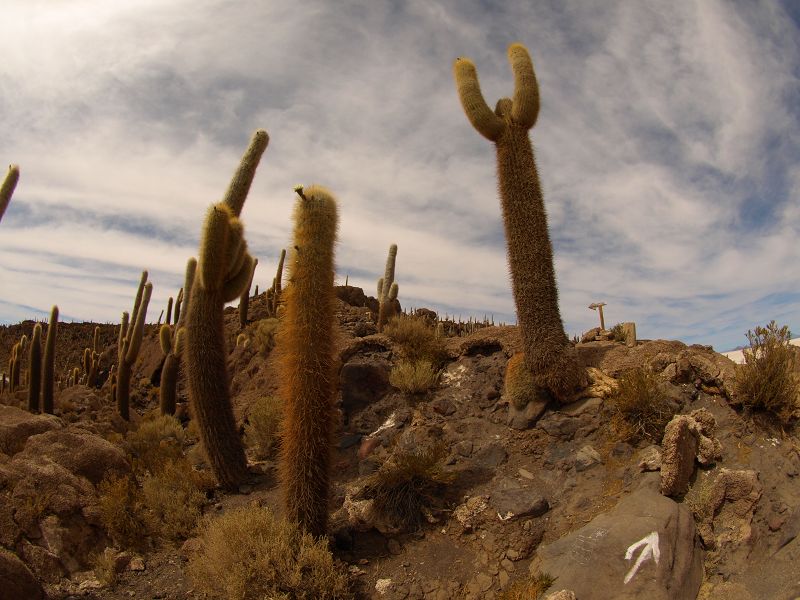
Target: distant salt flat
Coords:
[(738, 357)]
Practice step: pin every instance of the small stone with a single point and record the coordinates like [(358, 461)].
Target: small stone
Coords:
[(136, 564), (464, 447), (586, 458), (89, 584), (775, 522), (507, 565), (394, 547), (526, 474), (245, 489), (484, 582), (382, 586), (504, 579), (512, 554)]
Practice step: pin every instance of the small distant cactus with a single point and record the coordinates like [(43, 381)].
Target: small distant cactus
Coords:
[(244, 300), (169, 312), (48, 369), (387, 289), (307, 364), (35, 369), (130, 341), (224, 268), (172, 346), (7, 189), (548, 354)]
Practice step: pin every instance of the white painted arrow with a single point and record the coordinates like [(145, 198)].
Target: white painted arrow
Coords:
[(650, 543)]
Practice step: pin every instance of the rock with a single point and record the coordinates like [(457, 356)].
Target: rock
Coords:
[(16, 580), (383, 585), (363, 381), (80, 452), (45, 565), (686, 439), (586, 458), (650, 459), (136, 564), (513, 501), (590, 335), (394, 547), (526, 417), (490, 457), (730, 502), (467, 513), (629, 333), (592, 560), (17, 425), (562, 595)]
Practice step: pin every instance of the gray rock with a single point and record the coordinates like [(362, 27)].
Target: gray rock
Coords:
[(511, 500), (586, 458), (527, 417), (592, 560)]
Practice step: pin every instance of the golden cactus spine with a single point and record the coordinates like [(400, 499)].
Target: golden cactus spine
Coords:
[(307, 365), (49, 364), (131, 331), (387, 289), (7, 188), (548, 353), (173, 346), (35, 369), (223, 269)]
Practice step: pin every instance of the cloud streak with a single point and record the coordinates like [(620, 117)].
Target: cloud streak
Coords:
[(667, 145)]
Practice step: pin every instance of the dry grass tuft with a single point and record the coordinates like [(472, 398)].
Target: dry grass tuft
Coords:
[(532, 587), (415, 377), (104, 565), (407, 484), (416, 340), (249, 554), (640, 408), (156, 442), (262, 426), (767, 380), (121, 510), (173, 500)]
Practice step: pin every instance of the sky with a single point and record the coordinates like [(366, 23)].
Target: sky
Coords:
[(668, 146)]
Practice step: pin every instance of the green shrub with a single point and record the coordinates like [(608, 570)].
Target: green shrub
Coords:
[(767, 379), (416, 340), (262, 426), (249, 554), (640, 408), (414, 377), (407, 484)]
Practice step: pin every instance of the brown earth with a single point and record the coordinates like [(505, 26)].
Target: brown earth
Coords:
[(513, 492)]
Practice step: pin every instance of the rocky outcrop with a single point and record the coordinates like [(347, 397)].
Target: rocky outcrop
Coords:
[(16, 580), (17, 425), (644, 547), (726, 509), (687, 438)]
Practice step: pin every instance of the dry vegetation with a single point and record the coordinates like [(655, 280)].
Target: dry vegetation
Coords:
[(249, 554), (767, 380), (263, 423), (639, 408), (532, 587)]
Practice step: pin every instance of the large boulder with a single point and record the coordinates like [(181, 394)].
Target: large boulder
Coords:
[(16, 580), (644, 547), (17, 425), (687, 438)]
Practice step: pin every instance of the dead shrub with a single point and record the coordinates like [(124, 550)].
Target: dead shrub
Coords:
[(533, 587), (262, 426), (415, 377), (249, 554), (263, 335), (122, 511), (407, 485), (416, 340), (155, 443), (173, 500), (640, 408), (767, 380), (104, 565)]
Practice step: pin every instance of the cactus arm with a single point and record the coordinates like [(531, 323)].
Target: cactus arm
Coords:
[(279, 274), (525, 105), (488, 124), (169, 311), (188, 281), (236, 285), (135, 341), (243, 178), (165, 338), (7, 189), (137, 303), (123, 333), (213, 260)]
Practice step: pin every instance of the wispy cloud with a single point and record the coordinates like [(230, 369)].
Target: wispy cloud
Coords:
[(667, 145)]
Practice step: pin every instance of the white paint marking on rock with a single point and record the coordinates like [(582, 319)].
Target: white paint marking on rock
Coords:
[(650, 550)]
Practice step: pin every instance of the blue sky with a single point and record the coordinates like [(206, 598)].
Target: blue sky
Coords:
[(668, 145)]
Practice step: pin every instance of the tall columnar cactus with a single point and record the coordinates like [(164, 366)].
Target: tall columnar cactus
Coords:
[(12, 368), (548, 353), (387, 289), (35, 369), (274, 293), (244, 300), (169, 312), (49, 366), (172, 346), (307, 365), (178, 302), (223, 270), (7, 189), (131, 331)]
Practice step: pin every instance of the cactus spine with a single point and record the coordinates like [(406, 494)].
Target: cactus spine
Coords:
[(173, 346), (223, 269), (7, 189), (49, 366), (35, 369), (244, 300), (387, 289), (548, 353), (307, 365), (130, 341)]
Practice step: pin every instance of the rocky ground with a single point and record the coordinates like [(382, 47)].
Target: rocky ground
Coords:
[(711, 512)]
